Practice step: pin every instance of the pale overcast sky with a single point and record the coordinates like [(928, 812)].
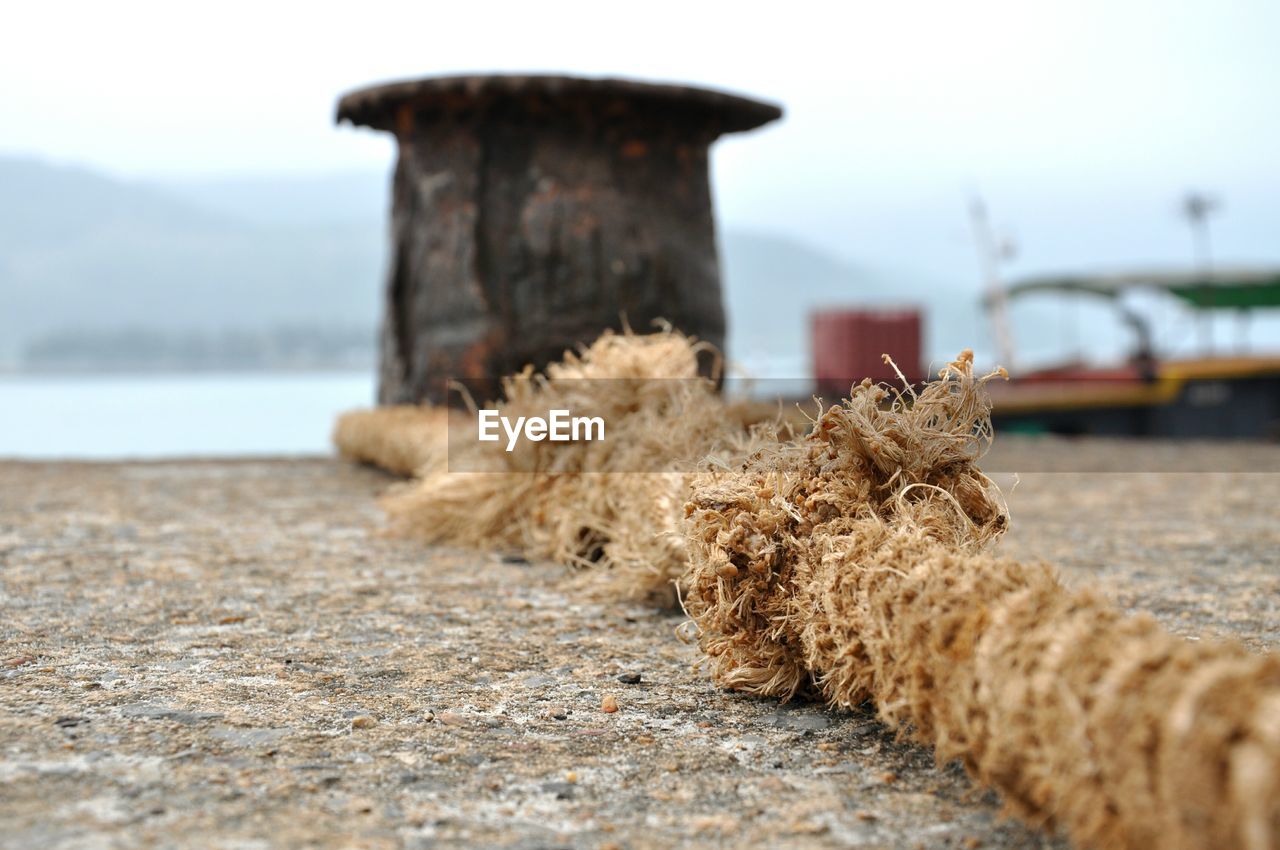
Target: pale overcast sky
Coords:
[(1065, 114)]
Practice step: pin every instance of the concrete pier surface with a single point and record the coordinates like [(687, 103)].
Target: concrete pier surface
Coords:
[(230, 654)]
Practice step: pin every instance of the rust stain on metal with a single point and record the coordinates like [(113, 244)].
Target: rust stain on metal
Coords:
[(532, 212)]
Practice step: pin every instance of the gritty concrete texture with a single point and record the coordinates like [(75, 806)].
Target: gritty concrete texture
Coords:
[(230, 655)]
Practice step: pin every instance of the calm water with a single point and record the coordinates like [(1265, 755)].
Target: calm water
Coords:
[(147, 416)]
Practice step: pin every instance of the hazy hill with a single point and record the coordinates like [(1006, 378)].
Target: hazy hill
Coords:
[(773, 284), (79, 250), (292, 200)]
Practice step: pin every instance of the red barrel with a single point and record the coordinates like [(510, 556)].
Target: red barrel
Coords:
[(848, 346)]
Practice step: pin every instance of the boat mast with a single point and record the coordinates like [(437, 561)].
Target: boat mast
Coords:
[(990, 255)]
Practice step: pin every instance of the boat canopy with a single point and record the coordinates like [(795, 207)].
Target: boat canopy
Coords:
[(1221, 289)]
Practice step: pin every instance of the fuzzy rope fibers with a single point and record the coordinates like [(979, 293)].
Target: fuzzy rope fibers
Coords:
[(851, 565), (620, 518)]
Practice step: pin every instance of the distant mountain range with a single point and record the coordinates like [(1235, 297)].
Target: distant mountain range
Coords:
[(83, 252)]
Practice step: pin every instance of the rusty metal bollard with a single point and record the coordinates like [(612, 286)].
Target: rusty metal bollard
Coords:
[(531, 213)]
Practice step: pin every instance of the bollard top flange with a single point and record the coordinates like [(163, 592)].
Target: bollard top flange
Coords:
[(378, 106)]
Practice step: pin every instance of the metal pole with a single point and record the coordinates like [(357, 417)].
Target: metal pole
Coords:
[(1197, 207), (989, 257)]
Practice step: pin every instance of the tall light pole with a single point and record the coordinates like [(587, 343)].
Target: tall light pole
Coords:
[(1197, 207)]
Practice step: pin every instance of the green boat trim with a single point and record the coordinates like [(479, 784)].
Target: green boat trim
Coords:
[(1220, 289)]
